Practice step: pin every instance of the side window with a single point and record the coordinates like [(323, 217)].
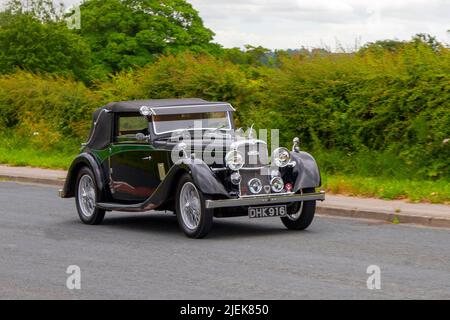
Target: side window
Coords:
[(128, 126)]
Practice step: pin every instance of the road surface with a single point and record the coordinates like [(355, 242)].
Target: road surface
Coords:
[(145, 256)]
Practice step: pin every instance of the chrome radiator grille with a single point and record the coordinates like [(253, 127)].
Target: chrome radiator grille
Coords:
[(255, 153)]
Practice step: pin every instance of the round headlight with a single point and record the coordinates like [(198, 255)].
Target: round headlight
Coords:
[(234, 160), (277, 184), (281, 157), (255, 185), (235, 178)]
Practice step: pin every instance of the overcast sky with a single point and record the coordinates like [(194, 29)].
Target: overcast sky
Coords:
[(311, 23), (293, 23)]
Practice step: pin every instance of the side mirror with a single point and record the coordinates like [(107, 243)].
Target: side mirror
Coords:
[(141, 137)]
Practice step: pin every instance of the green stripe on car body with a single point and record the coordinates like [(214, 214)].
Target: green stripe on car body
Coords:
[(114, 149)]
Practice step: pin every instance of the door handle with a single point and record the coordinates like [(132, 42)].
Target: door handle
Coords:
[(147, 158)]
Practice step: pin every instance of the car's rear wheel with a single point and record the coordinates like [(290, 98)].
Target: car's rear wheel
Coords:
[(194, 219), (301, 214), (86, 197)]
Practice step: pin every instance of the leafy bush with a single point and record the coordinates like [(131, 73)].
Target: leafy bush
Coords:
[(373, 113), (391, 102), (45, 109)]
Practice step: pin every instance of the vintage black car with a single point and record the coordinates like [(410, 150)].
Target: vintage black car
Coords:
[(151, 155)]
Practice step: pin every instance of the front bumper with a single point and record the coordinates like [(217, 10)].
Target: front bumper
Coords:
[(264, 200)]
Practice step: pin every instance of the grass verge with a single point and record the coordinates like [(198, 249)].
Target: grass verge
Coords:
[(389, 188), (14, 153), (32, 158)]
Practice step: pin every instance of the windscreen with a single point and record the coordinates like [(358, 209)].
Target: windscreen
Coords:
[(189, 121)]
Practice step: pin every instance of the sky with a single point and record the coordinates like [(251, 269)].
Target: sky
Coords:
[(325, 23), (333, 24)]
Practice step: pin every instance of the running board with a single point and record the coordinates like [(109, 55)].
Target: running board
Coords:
[(139, 207)]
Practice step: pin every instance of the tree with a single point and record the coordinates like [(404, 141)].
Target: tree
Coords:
[(381, 46), (35, 42), (127, 33), (254, 56), (429, 40)]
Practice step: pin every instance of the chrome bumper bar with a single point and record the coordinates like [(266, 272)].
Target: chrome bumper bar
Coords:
[(264, 200)]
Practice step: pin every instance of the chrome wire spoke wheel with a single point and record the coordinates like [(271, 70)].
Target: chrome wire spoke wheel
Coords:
[(301, 218), (86, 196), (193, 218), (190, 206), (295, 216)]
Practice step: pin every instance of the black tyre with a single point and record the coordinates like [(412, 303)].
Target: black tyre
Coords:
[(86, 197), (193, 218), (301, 214)]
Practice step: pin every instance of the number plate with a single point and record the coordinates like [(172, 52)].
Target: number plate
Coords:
[(265, 212)]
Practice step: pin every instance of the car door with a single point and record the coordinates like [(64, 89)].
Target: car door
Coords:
[(132, 162)]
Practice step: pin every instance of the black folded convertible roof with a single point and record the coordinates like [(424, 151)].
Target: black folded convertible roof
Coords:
[(169, 106), (100, 135)]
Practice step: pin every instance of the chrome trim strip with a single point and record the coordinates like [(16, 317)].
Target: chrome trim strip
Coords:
[(264, 200), (268, 195), (241, 169), (253, 168), (194, 106)]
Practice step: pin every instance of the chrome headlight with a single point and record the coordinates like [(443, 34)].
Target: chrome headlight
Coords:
[(277, 184), (255, 185), (234, 160), (281, 157), (235, 178)]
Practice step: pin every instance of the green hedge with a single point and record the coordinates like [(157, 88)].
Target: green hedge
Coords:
[(46, 109), (396, 104), (369, 113)]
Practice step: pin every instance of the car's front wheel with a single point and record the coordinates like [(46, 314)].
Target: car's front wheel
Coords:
[(194, 219), (86, 198), (301, 214)]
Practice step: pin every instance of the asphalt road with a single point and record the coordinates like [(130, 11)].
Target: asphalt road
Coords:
[(145, 256)]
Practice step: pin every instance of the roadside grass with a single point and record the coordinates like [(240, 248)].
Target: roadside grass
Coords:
[(360, 183), (379, 174), (388, 188), (35, 158), (22, 152)]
